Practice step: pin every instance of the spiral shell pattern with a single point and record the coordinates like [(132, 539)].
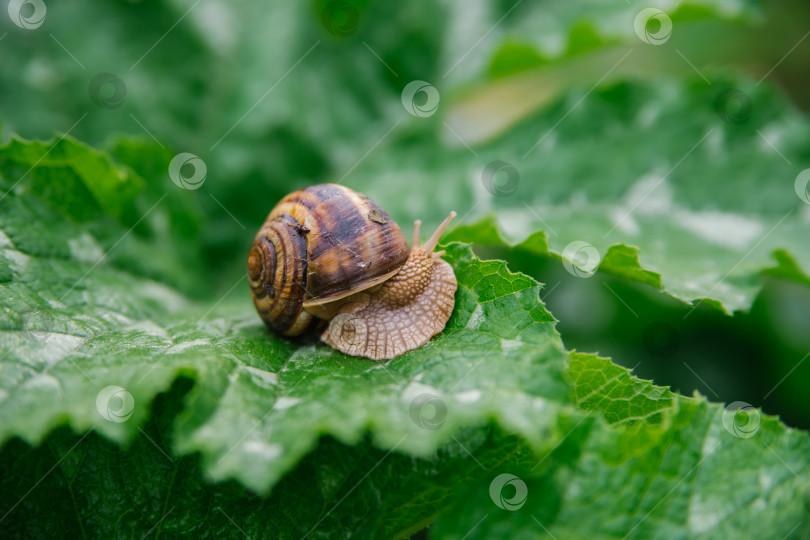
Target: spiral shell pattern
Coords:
[(277, 269)]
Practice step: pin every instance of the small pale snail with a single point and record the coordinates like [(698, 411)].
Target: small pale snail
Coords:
[(329, 253)]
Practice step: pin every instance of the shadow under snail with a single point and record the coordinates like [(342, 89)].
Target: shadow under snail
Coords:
[(328, 253)]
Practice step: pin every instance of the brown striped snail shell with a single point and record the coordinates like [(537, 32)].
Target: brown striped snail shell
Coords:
[(329, 253)]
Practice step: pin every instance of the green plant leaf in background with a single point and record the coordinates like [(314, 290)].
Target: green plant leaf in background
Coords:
[(649, 182)]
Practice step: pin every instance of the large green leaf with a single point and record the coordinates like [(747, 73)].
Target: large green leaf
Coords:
[(90, 343), (673, 467), (77, 326), (708, 203)]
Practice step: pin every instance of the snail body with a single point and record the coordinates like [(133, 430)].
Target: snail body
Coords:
[(328, 253)]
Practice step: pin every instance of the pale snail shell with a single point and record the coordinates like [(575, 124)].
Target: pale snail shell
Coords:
[(327, 252)]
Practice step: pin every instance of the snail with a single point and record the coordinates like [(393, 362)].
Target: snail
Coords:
[(328, 253)]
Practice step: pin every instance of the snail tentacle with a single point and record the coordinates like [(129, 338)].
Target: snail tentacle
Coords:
[(417, 225)]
